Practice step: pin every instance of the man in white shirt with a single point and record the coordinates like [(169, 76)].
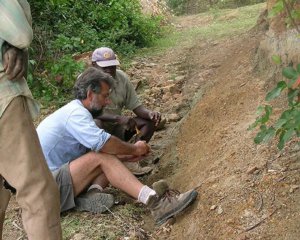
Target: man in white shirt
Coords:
[(84, 158)]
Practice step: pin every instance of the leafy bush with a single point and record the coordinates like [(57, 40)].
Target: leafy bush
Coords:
[(67, 27), (288, 124)]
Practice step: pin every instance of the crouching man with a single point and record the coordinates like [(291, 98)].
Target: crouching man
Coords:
[(84, 158)]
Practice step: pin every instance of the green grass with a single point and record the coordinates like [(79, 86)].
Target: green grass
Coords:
[(242, 20), (115, 225)]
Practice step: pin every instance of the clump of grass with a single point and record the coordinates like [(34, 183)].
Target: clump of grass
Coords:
[(121, 221), (223, 23)]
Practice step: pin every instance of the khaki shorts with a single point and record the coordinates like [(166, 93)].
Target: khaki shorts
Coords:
[(63, 179)]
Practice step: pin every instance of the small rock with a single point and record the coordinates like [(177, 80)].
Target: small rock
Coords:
[(252, 170), (179, 78), (134, 63), (172, 88), (151, 65), (220, 210), (173, 117), (79, 236), (214, 65), (293, 188), (213, 207)]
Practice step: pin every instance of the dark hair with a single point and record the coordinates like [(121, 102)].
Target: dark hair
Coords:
[(90, 79)]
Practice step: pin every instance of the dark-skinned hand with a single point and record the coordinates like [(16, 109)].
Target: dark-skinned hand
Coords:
[(155, 117), (14, 63)]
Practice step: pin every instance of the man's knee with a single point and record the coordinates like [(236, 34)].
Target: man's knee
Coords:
[(98, 158)]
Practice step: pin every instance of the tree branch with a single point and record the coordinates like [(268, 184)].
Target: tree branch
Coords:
[(288, 10)]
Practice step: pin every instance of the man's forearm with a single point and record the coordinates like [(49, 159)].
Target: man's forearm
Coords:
[(118, 147), (106, 117), (142, 112)]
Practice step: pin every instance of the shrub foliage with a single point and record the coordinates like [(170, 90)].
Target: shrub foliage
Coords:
[(287, 126), (64, 28)]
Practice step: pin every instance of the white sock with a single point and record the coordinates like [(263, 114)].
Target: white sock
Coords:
[(95, 186), (145, 193)]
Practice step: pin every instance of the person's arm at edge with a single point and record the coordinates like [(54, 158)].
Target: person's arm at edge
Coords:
[(15, 28), (15, 63), (118, 147)]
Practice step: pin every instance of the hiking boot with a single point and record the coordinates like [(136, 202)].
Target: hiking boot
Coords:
[(94, 201), (167, 202), (136, 168)]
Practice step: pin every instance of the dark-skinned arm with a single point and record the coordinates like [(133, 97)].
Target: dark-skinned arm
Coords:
[(107, 117), (123, 120), (116, 146), (15, 62), (145, 113)]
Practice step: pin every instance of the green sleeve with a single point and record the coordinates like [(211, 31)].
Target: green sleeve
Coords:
[(131, 101)]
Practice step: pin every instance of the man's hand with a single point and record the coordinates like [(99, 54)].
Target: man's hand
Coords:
[(15, 63), (142, 148), (155, 117), (128, 122)]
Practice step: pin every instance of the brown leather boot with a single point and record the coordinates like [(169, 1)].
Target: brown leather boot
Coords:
[(168, 203)]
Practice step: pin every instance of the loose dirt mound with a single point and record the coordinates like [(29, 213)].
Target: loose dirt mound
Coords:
[(246, 191)]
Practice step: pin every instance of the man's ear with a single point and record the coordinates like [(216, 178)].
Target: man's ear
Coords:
[(89, 95)]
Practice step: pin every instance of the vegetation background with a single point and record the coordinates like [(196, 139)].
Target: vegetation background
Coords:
[(67, 28)]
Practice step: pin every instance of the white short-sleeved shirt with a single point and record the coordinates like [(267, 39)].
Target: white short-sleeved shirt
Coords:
[(68, 133)]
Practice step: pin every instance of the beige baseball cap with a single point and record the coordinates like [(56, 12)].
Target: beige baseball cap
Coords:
[(105, 57)]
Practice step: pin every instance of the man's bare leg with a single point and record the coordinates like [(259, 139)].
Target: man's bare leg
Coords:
[(88, 167), (101, 180)]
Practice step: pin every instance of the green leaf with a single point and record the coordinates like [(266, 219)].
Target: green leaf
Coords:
[(277, 8), (290, 73), (298, 68), (260, 137), (286, 114), (279, 123), (268, 112), (270, 133), (276, 91), (259, 110), (276, 59), (284, 137), (292, 94)]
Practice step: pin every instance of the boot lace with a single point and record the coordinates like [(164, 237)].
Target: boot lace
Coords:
[(169, 194)]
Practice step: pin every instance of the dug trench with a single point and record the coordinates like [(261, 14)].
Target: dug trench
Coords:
[(246, 191)]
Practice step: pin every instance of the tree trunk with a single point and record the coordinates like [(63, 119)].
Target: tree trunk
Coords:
[(279, 40)]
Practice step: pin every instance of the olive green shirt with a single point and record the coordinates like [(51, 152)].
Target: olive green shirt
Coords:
[(122, 96), (15, 29)]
